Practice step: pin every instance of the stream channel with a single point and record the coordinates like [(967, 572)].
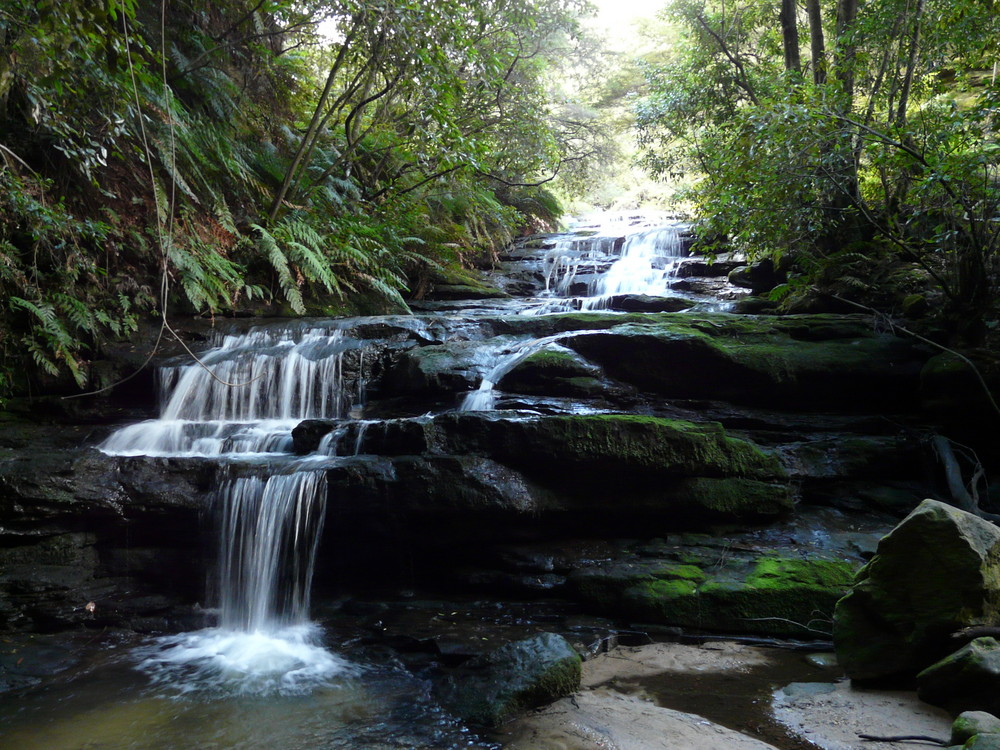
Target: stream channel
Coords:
[(325, 618)]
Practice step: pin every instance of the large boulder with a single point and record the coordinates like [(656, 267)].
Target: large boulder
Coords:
[(967, 680), (492, 688), (938, 571)]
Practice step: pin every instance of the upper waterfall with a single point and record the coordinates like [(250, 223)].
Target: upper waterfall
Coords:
[(245, 395)]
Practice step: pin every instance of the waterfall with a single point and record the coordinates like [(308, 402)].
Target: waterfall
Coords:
[(623, 254), (648, 261), (245, 396), (270, 530), (484, 397), (240, 401)]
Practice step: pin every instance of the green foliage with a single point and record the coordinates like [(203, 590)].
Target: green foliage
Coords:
[(192, 163), (894, 145)]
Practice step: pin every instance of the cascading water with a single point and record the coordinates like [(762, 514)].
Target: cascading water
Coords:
[(242, 401), (610, 255), (648, 261), (250, 392)]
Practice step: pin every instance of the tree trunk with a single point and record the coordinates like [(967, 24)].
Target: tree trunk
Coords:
[(790, 36), (911, 62), (816, 44), (847, 11)]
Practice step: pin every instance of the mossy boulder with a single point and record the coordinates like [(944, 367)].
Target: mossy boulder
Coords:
[(936, 572), (553, 371), (967, 680), (970, 723), (765, 594), (495, 687), (451, 283)]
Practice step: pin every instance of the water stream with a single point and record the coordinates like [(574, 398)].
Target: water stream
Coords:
[(263, 676)]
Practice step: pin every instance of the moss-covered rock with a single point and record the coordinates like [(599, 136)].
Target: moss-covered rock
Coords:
[(453, 282), (766, 594), (935, 573), (967, 680), (802, 362), (490, 689), (970, 723), (595, 445), (553, 371)]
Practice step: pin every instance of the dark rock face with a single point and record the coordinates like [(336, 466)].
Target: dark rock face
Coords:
[(87, 539), (646, 303), (519, 676), (938, 571), (967, 680)]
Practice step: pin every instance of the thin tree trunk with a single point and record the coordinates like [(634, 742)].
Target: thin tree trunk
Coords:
[(790, 36), (816, 44), (847, 11), (305, 146), (911, 63)]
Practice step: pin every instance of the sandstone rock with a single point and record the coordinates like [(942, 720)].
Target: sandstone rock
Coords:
[(935, 573)]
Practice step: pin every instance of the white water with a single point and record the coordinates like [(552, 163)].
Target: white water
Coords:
[(484, 397), (250, 393), (648, 263), (243, 401), (638, 254)]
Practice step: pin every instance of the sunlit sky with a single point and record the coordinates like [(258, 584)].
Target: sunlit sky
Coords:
[(618, 18)]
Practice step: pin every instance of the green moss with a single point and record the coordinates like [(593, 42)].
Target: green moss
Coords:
[(737, 497), (682, 572), (784, 573)]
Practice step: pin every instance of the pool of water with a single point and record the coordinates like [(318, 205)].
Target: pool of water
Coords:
[(121, 696)]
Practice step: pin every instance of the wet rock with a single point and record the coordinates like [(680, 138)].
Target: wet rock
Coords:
[(554, 371), (967, 680), (78, 527), (490, 689), (703, 268), (760, 277), (789, 362), (970, 723), (938, 571), (645, 303)]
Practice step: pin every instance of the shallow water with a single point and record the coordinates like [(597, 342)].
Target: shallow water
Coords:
[(155, 696), (737, 700)]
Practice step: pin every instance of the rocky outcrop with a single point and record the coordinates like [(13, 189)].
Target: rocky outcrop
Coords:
[(492, 688), (938, 571), (765, 594), (87, 539)]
